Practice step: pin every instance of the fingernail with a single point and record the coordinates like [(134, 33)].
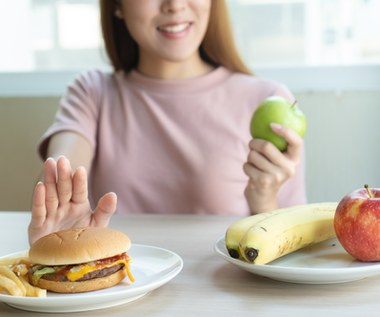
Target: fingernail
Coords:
[(276, 126), (81, 169)]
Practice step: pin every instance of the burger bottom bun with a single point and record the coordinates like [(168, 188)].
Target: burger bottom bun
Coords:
[(84, 286)]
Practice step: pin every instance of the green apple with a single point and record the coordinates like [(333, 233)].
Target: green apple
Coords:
[(276, 109)]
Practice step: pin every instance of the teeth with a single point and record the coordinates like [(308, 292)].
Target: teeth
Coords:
[(174, 28)]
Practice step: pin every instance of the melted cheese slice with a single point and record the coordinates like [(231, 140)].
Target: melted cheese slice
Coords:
[(85, 269)]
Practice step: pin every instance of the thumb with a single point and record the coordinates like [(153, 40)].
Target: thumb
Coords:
[(104, 210), (295, 142)]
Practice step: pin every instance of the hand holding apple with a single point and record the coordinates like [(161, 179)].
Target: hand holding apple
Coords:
[(357, 224), (277, 109)]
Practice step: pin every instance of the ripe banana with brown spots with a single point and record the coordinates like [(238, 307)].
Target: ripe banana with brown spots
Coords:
[(237, 229), (286, 231)]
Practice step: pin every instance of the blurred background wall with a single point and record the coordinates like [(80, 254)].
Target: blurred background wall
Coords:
[(327, 52)]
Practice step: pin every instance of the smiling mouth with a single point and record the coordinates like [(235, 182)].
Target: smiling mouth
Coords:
[(174, 28)]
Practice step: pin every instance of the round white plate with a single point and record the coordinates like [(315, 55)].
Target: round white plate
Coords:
[(323, 263), (151, 266)]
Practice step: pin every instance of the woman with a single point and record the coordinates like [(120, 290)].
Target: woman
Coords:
[(168, 130)]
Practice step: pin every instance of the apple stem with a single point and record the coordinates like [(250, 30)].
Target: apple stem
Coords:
[(294, 103), (370, 193)]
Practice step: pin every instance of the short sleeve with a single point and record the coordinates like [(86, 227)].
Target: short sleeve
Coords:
[(78, 110)]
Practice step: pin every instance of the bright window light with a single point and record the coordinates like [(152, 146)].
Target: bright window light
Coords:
[(78, 26), (43, 28), (307, 32), (60, 35)]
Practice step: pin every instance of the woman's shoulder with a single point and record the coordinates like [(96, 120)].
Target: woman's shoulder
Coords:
[(94, 77), (253, 79), (96, 84), (257, 85)]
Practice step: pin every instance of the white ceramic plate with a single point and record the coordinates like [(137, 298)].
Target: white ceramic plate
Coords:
[(151, 266), (323, 263)]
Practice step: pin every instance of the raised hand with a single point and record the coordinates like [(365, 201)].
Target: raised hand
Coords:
[(61, 201)]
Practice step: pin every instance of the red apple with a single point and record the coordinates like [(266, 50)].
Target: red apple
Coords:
[(357, 224)]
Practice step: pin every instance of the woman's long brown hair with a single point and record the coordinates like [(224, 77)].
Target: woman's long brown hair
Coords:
[(218, 47)]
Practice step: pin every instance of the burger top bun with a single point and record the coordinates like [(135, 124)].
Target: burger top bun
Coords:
[(78, 245)]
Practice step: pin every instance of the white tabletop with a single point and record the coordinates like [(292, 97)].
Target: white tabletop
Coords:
[(208, 285)]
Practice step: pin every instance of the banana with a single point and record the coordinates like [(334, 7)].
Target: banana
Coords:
[(287, 230), (238, 228), (236, 231)]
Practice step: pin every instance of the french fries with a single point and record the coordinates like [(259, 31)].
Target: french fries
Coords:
[(10, 281), (14, 280), (31, 290)]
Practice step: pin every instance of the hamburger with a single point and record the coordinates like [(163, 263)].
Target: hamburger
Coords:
[(80, 260)]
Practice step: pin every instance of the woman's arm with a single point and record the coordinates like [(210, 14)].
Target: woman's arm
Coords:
[(73, 146)]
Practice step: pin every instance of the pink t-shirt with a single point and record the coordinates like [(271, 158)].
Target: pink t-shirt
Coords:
[(170, 146)]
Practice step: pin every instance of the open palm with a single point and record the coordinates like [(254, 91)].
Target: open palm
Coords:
[(61, 201)]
